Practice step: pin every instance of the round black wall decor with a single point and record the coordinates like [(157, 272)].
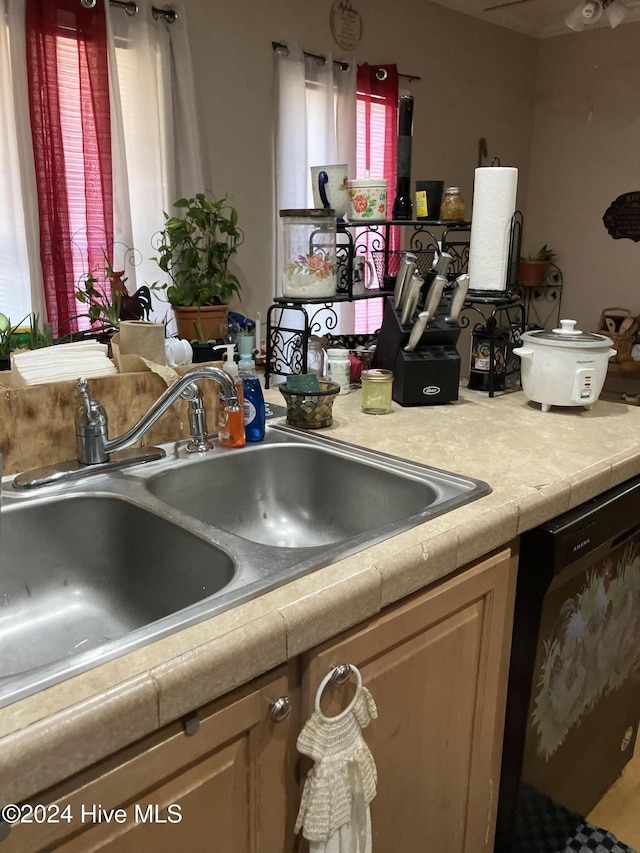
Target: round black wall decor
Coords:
[(622, 217)]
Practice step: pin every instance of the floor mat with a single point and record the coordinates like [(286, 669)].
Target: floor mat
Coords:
[(543, 826)]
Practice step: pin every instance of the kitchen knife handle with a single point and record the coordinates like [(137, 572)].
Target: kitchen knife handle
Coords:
[(435, 295), (461, 288), (411, 302), (417, 331), (444, 263), (407, 268)]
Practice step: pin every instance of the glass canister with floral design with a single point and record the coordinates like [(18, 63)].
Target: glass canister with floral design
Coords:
[(308, 253)]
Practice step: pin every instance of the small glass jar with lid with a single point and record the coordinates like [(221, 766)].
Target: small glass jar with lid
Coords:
[(377, 386), (315, 355), (308, 259), (453, 207), (339, 368)]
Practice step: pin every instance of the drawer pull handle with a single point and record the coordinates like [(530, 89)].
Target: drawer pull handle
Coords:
[(280, 709)]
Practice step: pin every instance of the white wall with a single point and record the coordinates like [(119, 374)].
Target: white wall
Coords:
[(476, 80)]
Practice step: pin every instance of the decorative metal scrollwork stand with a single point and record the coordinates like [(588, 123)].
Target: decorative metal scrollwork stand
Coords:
[(291, 321)]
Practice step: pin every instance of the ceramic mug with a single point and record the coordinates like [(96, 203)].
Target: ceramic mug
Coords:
[(329, 185), (363, 276)]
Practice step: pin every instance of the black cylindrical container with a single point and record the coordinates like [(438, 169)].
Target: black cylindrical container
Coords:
[(402, 205)]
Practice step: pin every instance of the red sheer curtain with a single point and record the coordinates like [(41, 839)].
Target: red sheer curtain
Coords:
[(71, 129), (377, 137), (378, 90)]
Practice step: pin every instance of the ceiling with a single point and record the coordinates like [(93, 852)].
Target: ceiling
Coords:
[(537, 18)]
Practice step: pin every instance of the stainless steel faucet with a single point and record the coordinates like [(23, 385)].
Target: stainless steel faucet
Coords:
[(97, 452), (94, 448)]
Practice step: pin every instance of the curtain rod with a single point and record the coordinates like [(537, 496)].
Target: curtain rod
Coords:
[(381, 73), (131, 8)]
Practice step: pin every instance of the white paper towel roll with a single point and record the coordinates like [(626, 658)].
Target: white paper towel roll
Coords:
[(494, 203)]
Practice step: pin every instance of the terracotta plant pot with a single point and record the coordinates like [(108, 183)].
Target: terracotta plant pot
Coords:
[(210, 317), (532, 273)]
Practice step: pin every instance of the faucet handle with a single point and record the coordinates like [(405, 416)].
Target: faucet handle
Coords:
[(87, 402), (91, 427)]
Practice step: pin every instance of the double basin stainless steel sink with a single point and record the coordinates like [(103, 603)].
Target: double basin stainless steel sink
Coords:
[(96, 568)]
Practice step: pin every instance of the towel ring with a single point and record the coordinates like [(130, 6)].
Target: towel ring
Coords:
[(338, 670)]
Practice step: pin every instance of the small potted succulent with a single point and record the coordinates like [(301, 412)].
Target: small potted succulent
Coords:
[(533, 270), (246, 340)]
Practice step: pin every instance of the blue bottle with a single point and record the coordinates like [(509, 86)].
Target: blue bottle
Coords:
[(254, 414)]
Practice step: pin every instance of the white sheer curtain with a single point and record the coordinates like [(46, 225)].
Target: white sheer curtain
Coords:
[(20, 276), (157, 149), (316, 125)]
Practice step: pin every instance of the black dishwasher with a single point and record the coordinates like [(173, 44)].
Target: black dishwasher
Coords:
[(573, 701)]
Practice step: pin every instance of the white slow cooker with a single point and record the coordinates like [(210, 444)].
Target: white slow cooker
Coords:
[(563, 367)]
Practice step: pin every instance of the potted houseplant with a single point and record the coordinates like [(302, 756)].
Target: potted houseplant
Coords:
[(194, 250), (9, 340), (246, 340), (533, 270), (108, 301)]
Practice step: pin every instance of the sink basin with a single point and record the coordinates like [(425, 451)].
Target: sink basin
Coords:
[(296, 496), (78, 573), (94, 568)]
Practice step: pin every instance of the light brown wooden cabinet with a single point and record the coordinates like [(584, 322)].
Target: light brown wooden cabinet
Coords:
[(436, 664), (229, 787), (437, 667)]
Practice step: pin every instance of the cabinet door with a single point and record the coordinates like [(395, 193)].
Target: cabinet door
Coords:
[(225, 788), (437, 667)]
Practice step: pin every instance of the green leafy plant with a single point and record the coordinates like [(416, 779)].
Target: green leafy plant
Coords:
[(104, 293), (194, 249), (8, 338), (544, 254), (39, 337), (103, 302)]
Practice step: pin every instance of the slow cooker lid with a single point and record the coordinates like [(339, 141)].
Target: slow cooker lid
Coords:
[(567, 335)]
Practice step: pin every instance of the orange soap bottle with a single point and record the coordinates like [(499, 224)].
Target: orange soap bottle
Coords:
[(231, 421)]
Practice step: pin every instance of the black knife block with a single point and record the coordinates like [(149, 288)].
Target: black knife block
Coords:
[(428, 375), (394, 335)]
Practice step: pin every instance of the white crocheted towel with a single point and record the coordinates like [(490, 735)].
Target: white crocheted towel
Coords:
[(344, 772)]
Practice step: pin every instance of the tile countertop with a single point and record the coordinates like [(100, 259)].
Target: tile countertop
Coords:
[(538, 465)]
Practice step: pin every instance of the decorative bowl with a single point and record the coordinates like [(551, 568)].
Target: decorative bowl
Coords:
[(311, 409)]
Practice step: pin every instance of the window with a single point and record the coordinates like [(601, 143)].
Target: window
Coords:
[(376, 137), (315, 126), (103, 167), (15, 272)]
